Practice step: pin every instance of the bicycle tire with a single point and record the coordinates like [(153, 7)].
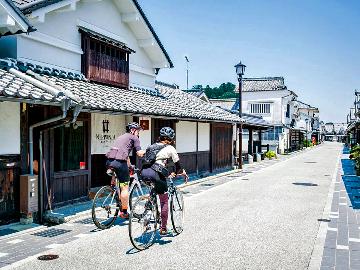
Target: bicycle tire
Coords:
[(99, 204), (135, 193), (144, 214), (177, 210)]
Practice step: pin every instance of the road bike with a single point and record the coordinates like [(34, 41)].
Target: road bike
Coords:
[(107, 204), (145, 215)]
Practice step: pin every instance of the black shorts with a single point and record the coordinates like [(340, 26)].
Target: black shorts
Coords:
[(158, 179), (121, 169)]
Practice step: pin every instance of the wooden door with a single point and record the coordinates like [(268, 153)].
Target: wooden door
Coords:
[(221, 146)]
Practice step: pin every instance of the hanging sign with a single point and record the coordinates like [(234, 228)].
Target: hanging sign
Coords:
[(104, 130)]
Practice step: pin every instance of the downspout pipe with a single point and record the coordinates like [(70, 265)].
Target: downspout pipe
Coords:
[(65, 107)]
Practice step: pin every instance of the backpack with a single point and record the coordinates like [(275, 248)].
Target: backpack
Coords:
[(150, 154)]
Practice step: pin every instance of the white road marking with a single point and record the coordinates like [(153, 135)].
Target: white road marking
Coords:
[(342, 247), (81, 235), (342, 203), (332, 229), (15, 241), (54, 246), (354, 240), (3, 254)]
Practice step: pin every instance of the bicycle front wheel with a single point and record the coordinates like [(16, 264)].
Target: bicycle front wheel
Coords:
[(177, 211), (142, 223), (105, 208), (137, 190)]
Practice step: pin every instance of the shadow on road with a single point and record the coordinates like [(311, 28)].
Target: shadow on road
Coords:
[(351, 181)]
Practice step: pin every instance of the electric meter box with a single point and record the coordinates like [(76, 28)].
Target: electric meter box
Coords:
[(28, 194)]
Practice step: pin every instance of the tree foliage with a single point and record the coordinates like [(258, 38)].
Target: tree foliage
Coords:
[(225, 90)]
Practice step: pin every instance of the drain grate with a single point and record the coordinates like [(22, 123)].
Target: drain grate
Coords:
[(185, 192), (324, 219), (206, 185), (85, 221), (48, 257), (244, 179), (51, 232), (305, 184), (310, 162)]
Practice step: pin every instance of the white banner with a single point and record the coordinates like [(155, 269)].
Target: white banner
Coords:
[(104, 130)]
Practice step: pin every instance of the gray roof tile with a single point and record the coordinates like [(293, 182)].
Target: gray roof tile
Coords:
[(262, 84), (162, 101)]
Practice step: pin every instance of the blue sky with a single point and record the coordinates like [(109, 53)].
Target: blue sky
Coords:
[(314, 45)]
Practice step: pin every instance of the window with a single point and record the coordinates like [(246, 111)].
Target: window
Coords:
[(260, 108), (287, 111), (69, 146), (272, 134), (104, 62)]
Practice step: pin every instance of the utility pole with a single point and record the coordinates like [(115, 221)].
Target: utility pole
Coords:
[(187, 72)]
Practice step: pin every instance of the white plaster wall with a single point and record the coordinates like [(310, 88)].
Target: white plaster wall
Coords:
[(272, 97), (63, 28), (9, 128), (145, 135), (101, 141), (185, 136), (204, 137)]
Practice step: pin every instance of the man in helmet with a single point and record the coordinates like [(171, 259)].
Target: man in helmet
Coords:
[(118, 158), (157, 171)]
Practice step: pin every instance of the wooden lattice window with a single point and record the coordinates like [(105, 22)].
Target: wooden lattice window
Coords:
[(105, 63)]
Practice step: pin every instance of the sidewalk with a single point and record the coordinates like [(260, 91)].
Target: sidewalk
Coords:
[(341, 246)]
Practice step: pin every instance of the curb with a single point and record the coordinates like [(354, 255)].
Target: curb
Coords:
[(319, 241)]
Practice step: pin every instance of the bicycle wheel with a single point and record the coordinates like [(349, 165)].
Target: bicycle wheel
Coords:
[(105, 208), (142, 223), (137, 190), (177, 211)]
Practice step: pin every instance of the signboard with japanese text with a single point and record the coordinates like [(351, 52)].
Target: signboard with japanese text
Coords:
[(104, 130)]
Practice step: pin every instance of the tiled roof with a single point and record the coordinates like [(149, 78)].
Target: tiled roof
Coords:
[(5, 4), (223, 103), (262, 84), (161, 102), (195, 93), (254, 120)]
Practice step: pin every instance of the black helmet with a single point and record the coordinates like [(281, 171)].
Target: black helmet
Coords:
[(167, 132), (135, 125)]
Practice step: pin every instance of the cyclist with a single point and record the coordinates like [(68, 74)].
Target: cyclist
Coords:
[(118, 158), (158, 173)]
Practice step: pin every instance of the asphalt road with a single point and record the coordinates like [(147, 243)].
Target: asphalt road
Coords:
[(264, 220)]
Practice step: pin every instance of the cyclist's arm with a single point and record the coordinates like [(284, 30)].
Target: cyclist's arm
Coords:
[(137, 147)]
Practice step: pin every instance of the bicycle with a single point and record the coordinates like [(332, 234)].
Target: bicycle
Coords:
[(107, 204), (145, 216)]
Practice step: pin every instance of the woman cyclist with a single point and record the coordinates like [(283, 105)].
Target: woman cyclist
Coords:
[(157, 172)]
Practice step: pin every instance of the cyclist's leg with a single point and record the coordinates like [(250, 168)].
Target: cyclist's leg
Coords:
[(122, 172), (161, 190)]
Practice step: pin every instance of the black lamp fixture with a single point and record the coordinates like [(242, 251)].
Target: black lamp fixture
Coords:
[(240, 69)]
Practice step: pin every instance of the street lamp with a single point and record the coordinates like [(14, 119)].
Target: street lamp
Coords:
[(307, 121), (240, 70)]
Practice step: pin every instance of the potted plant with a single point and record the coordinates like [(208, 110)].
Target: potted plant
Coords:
[(355, 155), (270, 154)]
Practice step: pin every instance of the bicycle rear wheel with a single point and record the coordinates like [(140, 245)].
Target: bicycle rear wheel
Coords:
[(142, 223), (105, 208), (177, 211)]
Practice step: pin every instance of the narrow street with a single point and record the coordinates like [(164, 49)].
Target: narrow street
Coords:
[(268, 219)]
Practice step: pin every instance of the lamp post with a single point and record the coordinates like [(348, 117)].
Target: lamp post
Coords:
[(307, 121), (240, 70)]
